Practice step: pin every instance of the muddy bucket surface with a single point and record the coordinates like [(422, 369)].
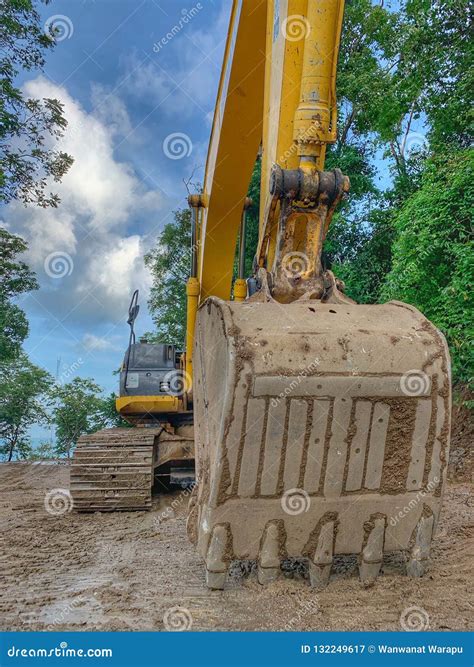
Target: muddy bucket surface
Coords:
[(320, 429)]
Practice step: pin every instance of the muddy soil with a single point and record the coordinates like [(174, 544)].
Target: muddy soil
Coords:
[(129, 571)]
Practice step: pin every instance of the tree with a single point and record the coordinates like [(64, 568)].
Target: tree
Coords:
[(78, 410), (27, 164), (15, 278), (405, 102), (24, 400), (170, 263), (398, 71), (252, 224), (432, 254), (108, 411)]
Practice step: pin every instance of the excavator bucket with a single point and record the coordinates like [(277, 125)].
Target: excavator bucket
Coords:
[(320, 429)]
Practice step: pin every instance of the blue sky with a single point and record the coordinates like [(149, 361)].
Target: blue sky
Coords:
[(138, 79), (140, 113)]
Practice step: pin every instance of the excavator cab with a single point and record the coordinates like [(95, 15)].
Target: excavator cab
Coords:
[(150, 369), (151, 382)]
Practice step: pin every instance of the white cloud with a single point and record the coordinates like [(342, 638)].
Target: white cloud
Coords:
[(110, 110), (101, 199), (92, 342), (116, 271), (191, 83)]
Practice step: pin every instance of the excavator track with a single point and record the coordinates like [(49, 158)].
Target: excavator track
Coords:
[(113, 470)]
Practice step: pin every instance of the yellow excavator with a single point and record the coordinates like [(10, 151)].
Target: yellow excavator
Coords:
[(318, 426)]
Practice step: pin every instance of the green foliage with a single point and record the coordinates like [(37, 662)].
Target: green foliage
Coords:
[(252, 224), (15, 278), (398, 69), (42, 452), (24, 400), (364, 254), (170, 262), (433, 267), (111, 418), (405, 93), (437, 60), (79, 409), (26, 163)]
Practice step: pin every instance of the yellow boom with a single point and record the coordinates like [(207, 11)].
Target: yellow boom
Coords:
[(277, 91)]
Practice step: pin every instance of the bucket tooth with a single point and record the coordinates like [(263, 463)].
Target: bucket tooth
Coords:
[(218, 557), (269, 559), (321, 561), (372, 553), (421, 543)]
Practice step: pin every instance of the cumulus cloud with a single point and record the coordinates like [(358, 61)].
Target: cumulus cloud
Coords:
[(93, 227)]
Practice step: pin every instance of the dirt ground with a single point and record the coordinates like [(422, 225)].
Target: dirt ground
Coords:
[(130, 571)]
